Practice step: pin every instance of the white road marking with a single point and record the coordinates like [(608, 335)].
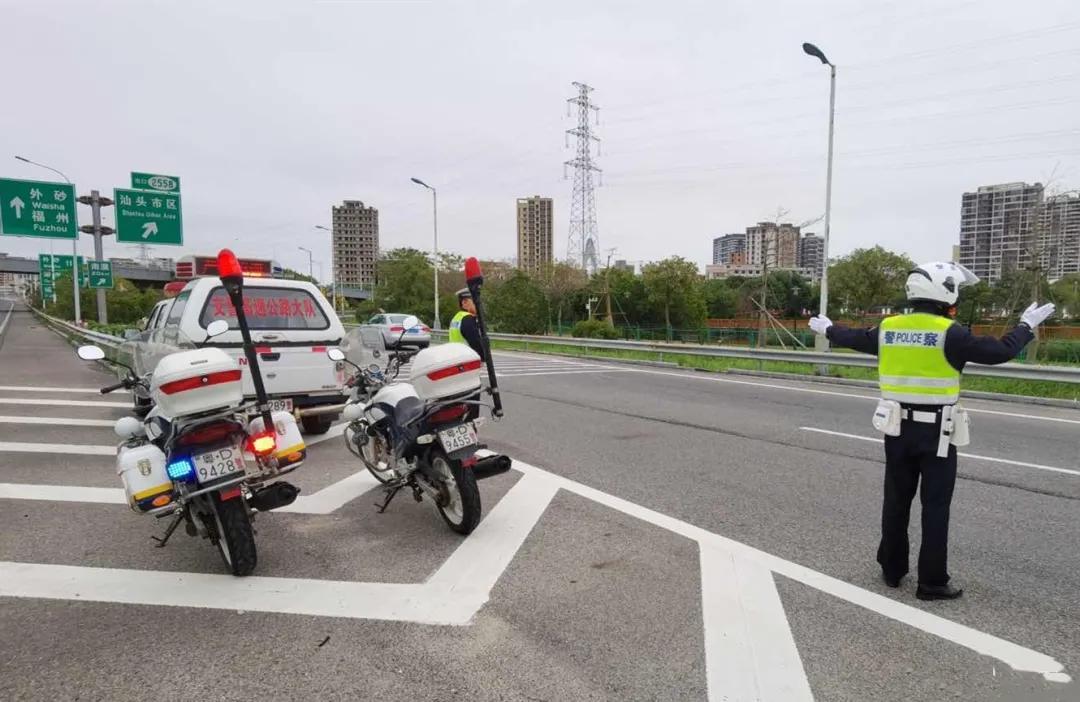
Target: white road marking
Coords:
[(62, 493), (1022, 464), (77, 449), (63, 403), (1015, 656), (440, 600), (750, 652), (30, 388), (60, 421)]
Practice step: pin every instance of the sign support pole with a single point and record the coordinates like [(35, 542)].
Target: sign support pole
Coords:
[(96, 202)]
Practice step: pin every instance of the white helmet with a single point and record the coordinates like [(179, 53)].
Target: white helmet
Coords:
[(938, 281)]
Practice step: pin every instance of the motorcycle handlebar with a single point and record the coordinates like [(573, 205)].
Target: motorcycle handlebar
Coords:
[(111, 388)]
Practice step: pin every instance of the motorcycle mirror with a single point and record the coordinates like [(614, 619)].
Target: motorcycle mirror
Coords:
[(90, 353), (335, 354), (410, 322), (216, 328)]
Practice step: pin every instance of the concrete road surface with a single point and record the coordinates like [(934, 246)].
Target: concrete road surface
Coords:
[(666, 535)]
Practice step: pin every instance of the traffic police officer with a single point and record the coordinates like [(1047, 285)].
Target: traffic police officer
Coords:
[(463, 327), (920, 358)]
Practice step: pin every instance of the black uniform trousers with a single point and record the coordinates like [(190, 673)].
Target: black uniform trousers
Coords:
[(908, 458)]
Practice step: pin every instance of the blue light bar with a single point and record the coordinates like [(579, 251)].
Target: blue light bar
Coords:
[(181, 468)]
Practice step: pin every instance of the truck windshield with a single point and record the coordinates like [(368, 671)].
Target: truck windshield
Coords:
[(267, 308)]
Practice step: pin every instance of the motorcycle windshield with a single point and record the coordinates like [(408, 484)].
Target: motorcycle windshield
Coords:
[(364, 346), (145, 350)]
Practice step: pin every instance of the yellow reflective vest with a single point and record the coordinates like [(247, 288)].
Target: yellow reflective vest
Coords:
[(455, 336), (911, 360)]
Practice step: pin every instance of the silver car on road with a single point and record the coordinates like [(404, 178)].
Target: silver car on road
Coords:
[(392, 330)]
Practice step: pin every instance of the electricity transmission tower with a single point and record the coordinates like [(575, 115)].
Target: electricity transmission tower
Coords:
[(583, 244)]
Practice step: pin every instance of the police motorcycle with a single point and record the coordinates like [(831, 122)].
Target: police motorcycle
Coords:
[(421, 434), (196, 458)]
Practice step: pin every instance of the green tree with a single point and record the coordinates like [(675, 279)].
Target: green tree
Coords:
[(559, 280), (721, 300), (673, 286), (867, 278), (1066, 295), (404, 281), (125, 303), (518, 306)]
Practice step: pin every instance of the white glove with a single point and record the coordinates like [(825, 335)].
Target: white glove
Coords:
[(1034, 315), (820, 324)]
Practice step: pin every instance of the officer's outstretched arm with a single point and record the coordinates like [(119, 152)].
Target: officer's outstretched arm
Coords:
[(961, 346), (861, 340)]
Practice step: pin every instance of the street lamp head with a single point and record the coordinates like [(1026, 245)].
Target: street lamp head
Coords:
[(816, 53), (420, 182), (21, 158), (319, 226)]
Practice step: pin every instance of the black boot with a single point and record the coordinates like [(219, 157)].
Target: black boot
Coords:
[(890, 580), (938, 592)]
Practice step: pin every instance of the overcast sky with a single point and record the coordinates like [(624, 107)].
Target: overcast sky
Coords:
[(711, 116)]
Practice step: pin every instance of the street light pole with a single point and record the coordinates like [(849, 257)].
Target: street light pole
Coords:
[(74, 243), (435, 221), (310, 264), (821, 343), (333, 266)]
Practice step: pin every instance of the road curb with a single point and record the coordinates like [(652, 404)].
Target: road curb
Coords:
[(972, 394)]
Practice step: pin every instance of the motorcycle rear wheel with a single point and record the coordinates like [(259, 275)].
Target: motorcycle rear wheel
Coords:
[(234, 537), (460, 502)]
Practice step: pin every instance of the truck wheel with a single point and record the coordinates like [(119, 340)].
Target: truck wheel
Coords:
[(235, 537), (318, 424)]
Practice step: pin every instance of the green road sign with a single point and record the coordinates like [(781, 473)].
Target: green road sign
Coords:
[(36, 208), (99, 274), (148, 217), (161, 183), (51, 267)]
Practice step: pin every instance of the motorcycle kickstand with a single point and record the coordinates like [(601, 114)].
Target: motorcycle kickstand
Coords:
[(168, 532), (390, 493)]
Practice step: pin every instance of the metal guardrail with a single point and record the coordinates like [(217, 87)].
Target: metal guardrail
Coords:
[(1015, 371), (107, 340)]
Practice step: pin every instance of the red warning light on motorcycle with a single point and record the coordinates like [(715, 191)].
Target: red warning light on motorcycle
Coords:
[(472, 269)]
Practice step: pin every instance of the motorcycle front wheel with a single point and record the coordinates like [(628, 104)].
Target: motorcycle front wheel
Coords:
[(459, 495), (233, 535), (372, 450)]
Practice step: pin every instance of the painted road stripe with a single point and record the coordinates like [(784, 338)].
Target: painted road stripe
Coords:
[(62, 403), (62, 493), (30, 388), (62, 421), (848, 395), (76, 449), (569, 372), (750, 652), (992, 459), (1015, 656)]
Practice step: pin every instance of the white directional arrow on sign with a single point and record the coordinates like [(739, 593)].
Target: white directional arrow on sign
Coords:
[(100, 281), (17, 204), (148, 229)]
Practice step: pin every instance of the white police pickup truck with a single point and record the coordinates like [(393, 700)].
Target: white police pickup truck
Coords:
[(292, 325)]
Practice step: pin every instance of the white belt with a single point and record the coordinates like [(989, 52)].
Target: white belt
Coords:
[(920, 416)]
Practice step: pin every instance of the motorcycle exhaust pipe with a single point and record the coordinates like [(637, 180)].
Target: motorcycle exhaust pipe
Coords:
[(491, 466), (273, 496)]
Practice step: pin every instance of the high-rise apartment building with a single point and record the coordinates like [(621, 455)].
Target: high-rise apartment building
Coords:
[(356, 244), (1059, 236), (534, 233), (998, 228), (723, 247), (812, 255), (773, 245)]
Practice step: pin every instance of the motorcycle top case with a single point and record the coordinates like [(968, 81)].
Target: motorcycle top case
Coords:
[(190, 382), (445, 371), (146, 483), (291, 450)]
